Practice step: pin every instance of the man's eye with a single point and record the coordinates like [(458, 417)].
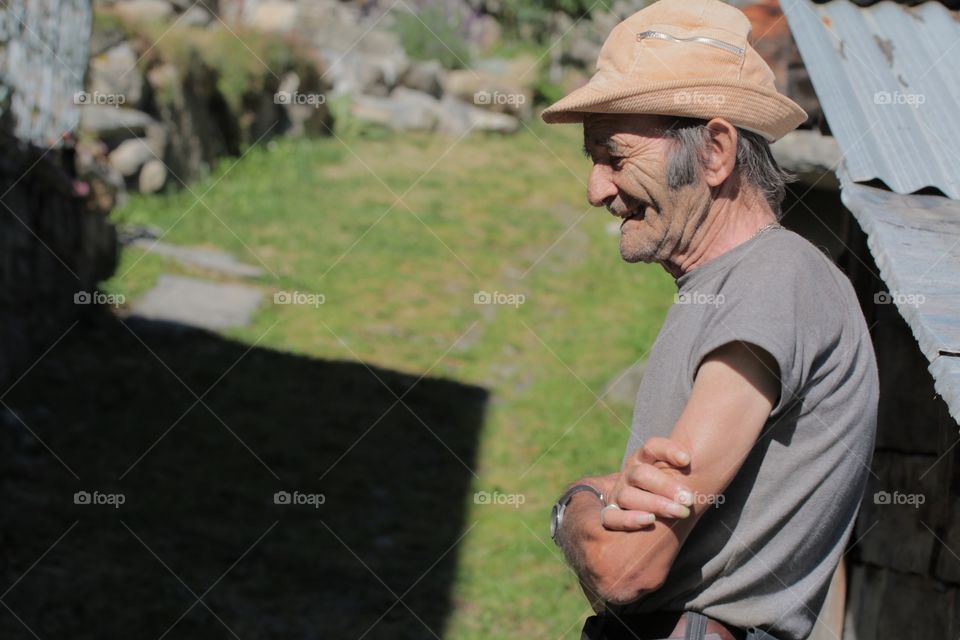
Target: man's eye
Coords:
[(615, 162)]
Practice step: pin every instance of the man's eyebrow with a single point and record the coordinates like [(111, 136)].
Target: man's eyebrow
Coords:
[(609, 145)]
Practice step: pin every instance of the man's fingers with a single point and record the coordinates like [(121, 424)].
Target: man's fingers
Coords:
[(665, 450), (615, 519), (633, 499), (659, 482)]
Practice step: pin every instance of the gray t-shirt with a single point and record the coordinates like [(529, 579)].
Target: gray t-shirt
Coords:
[(765, 557)]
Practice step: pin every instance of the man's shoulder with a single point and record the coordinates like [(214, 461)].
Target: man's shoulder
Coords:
[(783, 249), (783, 258)]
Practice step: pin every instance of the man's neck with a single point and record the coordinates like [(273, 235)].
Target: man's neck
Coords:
[(728, 224)]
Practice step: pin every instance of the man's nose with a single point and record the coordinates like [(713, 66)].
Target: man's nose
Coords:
[(599, 185)]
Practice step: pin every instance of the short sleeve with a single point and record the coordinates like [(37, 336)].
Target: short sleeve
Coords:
[(760, 308)]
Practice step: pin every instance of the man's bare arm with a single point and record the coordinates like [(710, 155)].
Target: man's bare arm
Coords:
[(735, 389)]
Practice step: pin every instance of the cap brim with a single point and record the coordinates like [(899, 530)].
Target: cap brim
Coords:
[(745, 105)]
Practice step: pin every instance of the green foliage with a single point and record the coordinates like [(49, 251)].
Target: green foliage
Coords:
[(428, 35), (243, 61), (546, 92), (531, 19), (106, 21)]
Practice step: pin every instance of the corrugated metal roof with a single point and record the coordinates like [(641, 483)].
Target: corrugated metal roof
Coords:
[(952, 4), (915, 241), (888, 82)]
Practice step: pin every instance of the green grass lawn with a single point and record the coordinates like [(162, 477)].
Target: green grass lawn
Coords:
[(496, 214), (504, 214)]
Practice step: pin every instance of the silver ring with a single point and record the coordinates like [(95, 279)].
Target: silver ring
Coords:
[(612, 505)]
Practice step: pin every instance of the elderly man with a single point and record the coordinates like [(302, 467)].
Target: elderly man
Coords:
[(754, 424)]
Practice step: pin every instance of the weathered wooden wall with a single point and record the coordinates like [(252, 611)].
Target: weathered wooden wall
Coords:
[(903, 567)]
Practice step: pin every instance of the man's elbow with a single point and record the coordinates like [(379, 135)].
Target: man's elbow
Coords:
[(618, 580)]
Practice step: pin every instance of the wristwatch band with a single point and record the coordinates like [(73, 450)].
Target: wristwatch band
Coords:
[(556, 515)]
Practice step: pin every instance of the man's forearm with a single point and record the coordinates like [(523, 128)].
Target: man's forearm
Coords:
[(605, 561), (575, 536), (616, 566)]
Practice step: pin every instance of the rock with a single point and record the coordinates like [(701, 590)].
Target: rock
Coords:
[(492, 122), (113, 124), (582, 51), (580, 46), (156, 136), (490, 92), (114, 73), (339, 26), (455, 116), (277, 16), (484, 31), (404, 110), (129, 233), (458, 117), (144, 10), (410, 110), (131, 155), (211, 259), (107, 188), (198, 303), (360, 58), (426, 77), (309, 114), (354, 73), (152, 176), (196, 16)]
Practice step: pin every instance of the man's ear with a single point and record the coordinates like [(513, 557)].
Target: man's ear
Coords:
[(720, 155)]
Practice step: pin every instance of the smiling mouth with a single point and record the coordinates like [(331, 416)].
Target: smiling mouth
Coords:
[(640, 214)]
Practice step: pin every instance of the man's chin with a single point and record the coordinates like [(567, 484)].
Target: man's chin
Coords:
[(633, 254)]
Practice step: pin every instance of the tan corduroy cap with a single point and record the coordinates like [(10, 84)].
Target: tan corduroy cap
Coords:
[(684, 58)]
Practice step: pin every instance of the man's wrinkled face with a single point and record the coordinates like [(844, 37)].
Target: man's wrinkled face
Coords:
[(629, 177)]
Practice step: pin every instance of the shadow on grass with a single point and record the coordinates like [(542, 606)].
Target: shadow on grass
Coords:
[(199, 518)]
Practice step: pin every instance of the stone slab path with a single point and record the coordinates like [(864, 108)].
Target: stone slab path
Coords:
[(212, 259), (198, 303)]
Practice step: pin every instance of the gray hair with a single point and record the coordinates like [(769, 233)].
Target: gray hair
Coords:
[(755, 162)]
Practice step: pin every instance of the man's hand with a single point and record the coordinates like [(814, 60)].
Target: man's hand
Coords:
[(644, 491)]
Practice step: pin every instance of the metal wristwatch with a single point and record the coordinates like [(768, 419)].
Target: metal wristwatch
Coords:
[(556, 514)]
